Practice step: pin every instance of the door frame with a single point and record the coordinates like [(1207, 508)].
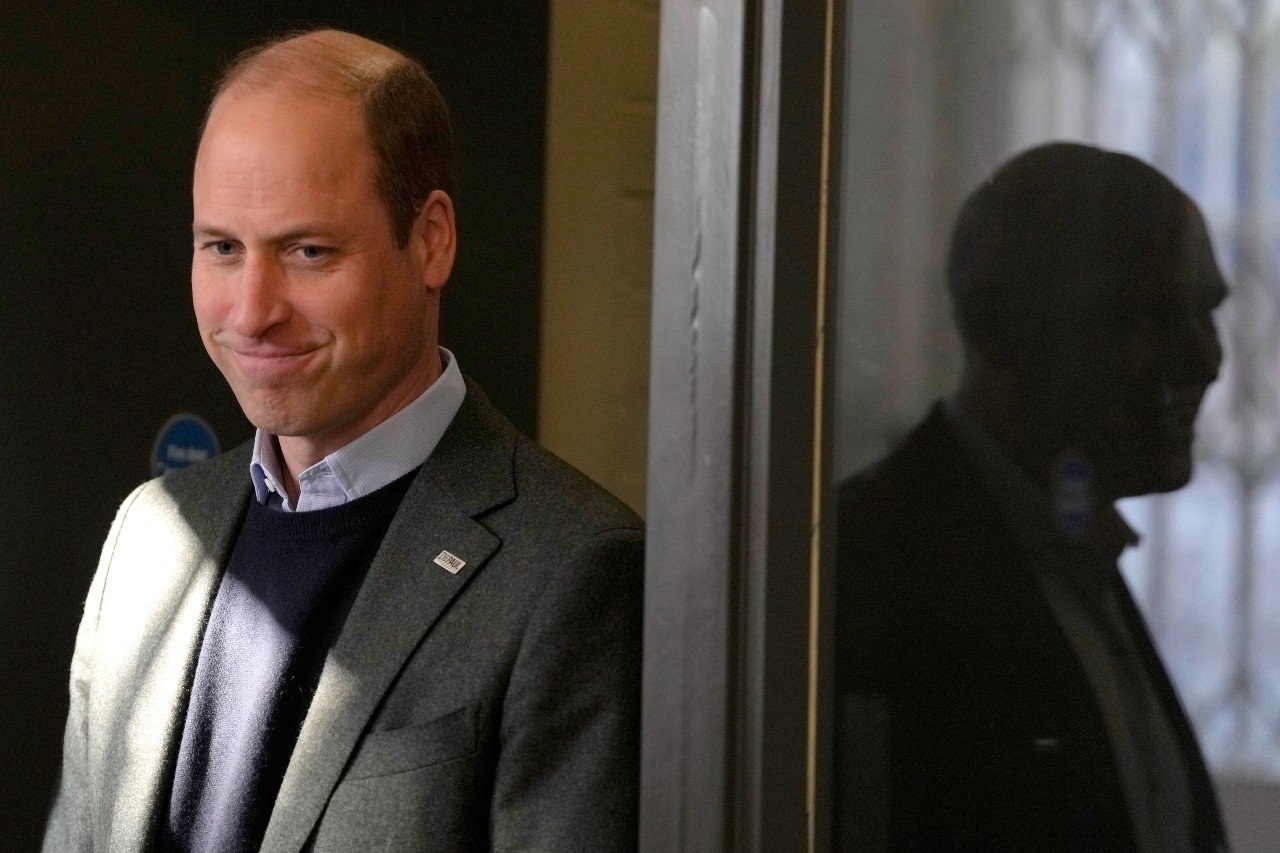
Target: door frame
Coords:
[(736, 739)]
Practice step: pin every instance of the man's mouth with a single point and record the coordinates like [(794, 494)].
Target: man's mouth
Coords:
[(270, 362), (1178, 410)]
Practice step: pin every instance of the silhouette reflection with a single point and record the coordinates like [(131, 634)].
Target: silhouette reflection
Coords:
[(998, 689)]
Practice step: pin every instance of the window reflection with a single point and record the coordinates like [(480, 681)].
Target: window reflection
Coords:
[(938, 93)]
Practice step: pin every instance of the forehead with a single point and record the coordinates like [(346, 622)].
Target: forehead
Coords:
[(264, 146), (1199, 277), (1155, 269), (1183, 271)]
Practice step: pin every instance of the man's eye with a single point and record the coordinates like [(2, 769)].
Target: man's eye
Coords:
[(313, 253), (224, 248)]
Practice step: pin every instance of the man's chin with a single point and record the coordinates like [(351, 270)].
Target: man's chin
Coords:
[(273, 414), (1167, 476)]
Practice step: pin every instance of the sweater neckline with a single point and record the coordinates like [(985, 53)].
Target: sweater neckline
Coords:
[(331, 522)]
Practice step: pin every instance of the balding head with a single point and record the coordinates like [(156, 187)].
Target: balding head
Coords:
[(405, 117), (1084, 284), (324, 61), (1052, 231), (321, 240)]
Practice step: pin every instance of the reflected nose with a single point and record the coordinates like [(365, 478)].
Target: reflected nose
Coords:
[(259, 298), (1198, 352)]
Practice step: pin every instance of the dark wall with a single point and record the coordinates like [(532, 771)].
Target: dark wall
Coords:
[(99, 109)]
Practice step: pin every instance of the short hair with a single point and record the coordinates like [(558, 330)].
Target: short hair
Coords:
[(1051, 221), (405, 117)]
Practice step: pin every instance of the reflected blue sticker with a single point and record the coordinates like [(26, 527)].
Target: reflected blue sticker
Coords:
[(1072, 495), (185, 439)]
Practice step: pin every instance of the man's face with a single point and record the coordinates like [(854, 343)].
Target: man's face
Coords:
[(1133, 358), (321, 325)]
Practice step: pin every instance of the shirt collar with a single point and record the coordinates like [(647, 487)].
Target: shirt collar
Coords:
[(382, 455)]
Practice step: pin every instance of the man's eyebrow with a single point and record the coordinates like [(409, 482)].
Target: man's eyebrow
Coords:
[(303, 232), (199, 229), (300, 232)]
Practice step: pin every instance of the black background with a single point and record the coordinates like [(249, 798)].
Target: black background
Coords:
[(99, 110)]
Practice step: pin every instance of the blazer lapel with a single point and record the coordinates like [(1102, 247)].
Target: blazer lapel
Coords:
[(154, 654), (403, 595), (1207, 825)]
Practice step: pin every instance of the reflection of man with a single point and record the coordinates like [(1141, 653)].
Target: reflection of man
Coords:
[(393, 623), (998, 687)]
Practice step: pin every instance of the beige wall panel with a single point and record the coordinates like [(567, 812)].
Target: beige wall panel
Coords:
[(598, 239)]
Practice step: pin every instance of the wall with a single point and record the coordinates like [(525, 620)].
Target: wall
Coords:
[(598, 238)]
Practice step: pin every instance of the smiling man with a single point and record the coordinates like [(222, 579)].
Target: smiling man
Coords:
[(999, 689), (391, 622)]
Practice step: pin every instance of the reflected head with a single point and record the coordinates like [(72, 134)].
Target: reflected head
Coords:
[(1086, 280)]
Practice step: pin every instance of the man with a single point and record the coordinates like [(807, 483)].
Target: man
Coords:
[(999, 690), (392, 623)]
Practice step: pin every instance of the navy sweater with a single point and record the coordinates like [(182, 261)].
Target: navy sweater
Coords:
[(288, 586)]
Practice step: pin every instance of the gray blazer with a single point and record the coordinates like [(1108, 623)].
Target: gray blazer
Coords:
[(495, 708)]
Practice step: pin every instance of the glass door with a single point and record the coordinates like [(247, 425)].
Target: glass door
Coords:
[(948, 298)]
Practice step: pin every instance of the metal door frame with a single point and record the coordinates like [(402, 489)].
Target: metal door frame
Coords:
[(736, 731)]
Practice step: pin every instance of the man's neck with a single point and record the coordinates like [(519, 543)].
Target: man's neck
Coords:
[(299, 452), (1008, 419), (1025, 431)]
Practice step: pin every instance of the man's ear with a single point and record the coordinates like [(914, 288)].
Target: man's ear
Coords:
[(434, 239)]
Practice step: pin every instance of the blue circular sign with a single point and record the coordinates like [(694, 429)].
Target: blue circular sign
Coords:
[(185, 439), (1073, 496)]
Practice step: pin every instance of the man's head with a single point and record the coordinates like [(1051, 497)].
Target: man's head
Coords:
[(404, 114), (324, 231), (1084, 282)]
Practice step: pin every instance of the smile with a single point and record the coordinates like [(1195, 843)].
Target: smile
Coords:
[(270, 364)]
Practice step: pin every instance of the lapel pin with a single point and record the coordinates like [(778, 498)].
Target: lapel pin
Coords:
[(1047, 744), (450, 563)]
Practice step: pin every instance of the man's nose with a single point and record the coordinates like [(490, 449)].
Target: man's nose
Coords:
[(1200, 352), (260, 301)]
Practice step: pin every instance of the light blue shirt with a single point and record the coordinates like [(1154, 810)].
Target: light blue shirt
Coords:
[(382, 455)]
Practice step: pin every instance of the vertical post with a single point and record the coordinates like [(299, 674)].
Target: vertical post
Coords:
[(734, 743), (783, 730), (691, 585)]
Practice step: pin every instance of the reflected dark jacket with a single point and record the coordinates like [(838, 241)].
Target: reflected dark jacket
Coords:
[(494, 708), (964, 720)]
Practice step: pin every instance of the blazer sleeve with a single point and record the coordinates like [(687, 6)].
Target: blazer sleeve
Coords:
[(568, 773), (69, 829)]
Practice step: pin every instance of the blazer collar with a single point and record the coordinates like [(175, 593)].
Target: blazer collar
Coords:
[(404, 593), (473, 463)]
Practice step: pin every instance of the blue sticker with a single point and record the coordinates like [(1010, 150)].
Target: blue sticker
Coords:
[(185, 439), (1072, 495)]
